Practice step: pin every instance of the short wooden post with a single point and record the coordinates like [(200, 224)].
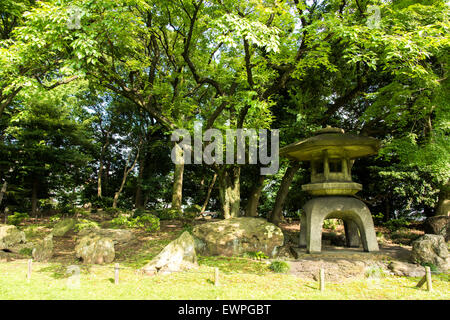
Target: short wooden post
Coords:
[(116, 273), (30, 263), (428, 275), (216, 277), (322, 279)]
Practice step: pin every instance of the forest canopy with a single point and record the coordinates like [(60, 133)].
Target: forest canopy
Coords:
[(91, 91)]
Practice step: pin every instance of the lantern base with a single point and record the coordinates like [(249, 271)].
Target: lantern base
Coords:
[(355, 214), (332, 188)]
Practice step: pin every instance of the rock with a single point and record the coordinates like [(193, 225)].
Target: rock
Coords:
[(44, 250), (236, 236), (95, 249), (63, 226), (10, 236), (285, 252), (439, 225), (406, 269), (87, 206), (118, 236), (431, 249), (4, 256), (176, 256)]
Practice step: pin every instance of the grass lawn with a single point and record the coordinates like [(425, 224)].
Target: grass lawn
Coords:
[(50, 281)]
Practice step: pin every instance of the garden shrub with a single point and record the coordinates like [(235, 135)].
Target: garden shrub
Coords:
[(190, 215), (55, 218), (378, 218), (26, 251), (141, 212), (279, 266), (150, 222), (46, 204), (67, 210), (85, 224), (188, 227), (257, 255), (17, 218), (396, 224), (432, 266), (192, 212), (103, 202), (169, 214), (331, 224)]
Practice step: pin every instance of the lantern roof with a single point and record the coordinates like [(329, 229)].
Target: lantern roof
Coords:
[(335, 142)]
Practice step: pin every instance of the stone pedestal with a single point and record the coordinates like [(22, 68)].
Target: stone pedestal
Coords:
[(357, 218)]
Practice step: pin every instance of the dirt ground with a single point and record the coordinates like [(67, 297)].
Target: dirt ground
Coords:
[(344, 264)]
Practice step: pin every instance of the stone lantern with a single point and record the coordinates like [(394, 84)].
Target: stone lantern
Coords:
[(332, 153)]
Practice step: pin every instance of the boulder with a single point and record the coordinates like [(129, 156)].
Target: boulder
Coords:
[(176, 256), (95, 249), (406, 269), (87, 206), (63, 226), (431, 249), (236, 236), (285, 252), (4, 256), (44, 250), (118, 236), (439, 225), (10, 236)]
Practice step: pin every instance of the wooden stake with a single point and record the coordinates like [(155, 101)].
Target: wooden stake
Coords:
[(30, 262), (116, 273), (428, 276), (322, 279), (216, 277)]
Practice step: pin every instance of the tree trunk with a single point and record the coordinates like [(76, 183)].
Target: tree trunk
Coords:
[(126, 172), (139, 203), (251, 209), (229, 191), (208, 195), (34, 197), (387, 215), (443, 204), (3, 191), (99, 180), (277, 212), (177, 190), (100, 169)]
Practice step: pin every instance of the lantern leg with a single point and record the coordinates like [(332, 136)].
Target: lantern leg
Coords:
[(352, 234)]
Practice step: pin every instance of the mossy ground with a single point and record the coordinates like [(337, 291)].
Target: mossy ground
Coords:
[(240, 278)]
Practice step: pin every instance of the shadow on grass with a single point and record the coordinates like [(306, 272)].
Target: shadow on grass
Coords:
[(312, 287), (63, 272)]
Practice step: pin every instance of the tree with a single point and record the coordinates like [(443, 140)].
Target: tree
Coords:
[(44, 143), (228, 64)]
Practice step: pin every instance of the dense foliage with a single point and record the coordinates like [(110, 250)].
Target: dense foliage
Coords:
[(90, 92)]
